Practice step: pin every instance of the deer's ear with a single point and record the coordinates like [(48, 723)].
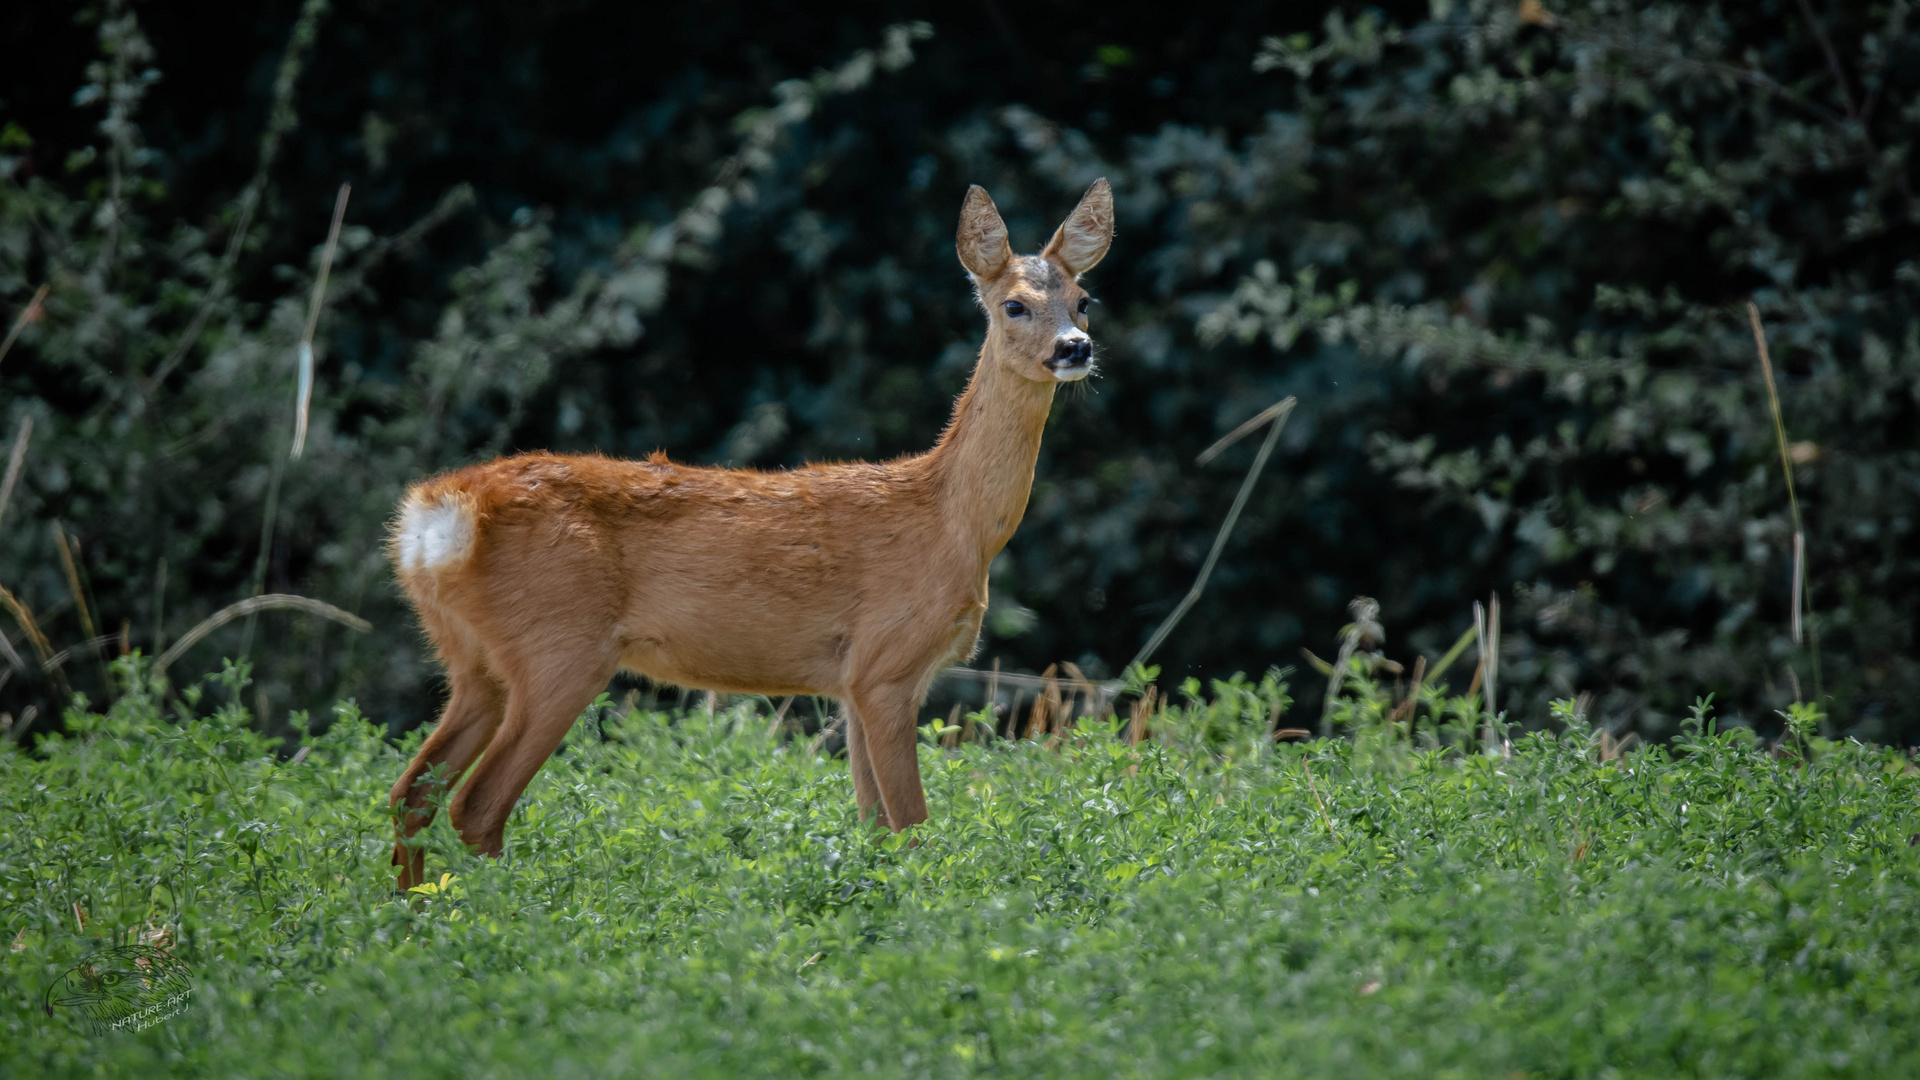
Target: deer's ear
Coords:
[(982, 240), (1081, 241)]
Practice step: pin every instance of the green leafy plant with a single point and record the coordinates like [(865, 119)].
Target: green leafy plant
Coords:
[(693, 891)]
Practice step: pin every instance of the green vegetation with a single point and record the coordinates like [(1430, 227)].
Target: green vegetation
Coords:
[(690, 895)]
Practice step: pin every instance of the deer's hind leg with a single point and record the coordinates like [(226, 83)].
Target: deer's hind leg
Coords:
[(543, 700), (473, 714)]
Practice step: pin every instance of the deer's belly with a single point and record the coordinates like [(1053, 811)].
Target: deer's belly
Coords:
[(750, 648)]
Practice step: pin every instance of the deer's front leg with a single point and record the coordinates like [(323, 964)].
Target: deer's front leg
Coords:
[(890, 746), (866, 790)]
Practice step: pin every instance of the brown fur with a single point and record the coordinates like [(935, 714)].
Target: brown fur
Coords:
[(857, 581)]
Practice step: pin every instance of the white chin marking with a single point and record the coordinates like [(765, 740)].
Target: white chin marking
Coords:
[(1072, 374), (434, 534)]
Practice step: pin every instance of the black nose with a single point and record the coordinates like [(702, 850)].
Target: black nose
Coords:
[(1074, 351)]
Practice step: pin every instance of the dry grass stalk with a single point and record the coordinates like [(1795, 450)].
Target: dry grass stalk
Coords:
[(1278, 409), (1102, 692), (305, 394), (92, 645), (1492, 645), (11, 656), (1051, 708), (1486, 623), (1405, 710), (1043, 704), (1493, 635), (249, 606), (24, 616), (14, 461), (826, 733), (950, 734), (1786, 470), (1096, 699), (1364, 630), (31, 313), (1799, 580), (993, 695), (1612, 748), (1143, 708), (774, 727), (68, 563), (15, 729), (1275, 414), (1062, 725)]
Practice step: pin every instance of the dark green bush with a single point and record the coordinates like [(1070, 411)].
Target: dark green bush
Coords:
[(1501, 252)]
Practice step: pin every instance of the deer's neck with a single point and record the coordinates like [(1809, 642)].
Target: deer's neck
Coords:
[(983, 464)]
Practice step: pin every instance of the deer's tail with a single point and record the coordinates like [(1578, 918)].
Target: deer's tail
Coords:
[(433, 535)]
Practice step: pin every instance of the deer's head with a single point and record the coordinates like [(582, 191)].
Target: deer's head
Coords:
[(1036, 309)]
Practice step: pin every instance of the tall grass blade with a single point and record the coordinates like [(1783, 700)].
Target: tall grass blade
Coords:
[(1799, 578), (1483, 632), (1802, 603), (305, 394), (72, 569), (160, 606), (1493, 653), (1277, 415), (11, 656), (30, 313), (1786, 461), (14, 461), (23, 615), (1365, 625), (1441, 665), (249, 606)]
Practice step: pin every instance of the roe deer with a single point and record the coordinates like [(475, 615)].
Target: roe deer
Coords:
[(537, 577)]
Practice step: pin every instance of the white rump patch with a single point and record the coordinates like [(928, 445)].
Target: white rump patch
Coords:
[(434, 535)]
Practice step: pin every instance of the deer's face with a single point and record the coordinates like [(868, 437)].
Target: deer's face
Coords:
[(1036, 309), (1039, 314)]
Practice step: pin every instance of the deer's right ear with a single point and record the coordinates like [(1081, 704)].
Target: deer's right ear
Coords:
[(982, 241)]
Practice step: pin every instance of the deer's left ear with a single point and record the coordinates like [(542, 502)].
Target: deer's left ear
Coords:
[(1081, 241)]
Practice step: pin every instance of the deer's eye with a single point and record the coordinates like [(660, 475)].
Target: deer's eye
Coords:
[(1083, 304), (1016, 308)]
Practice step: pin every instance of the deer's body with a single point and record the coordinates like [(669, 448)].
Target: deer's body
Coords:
[(537, 577)]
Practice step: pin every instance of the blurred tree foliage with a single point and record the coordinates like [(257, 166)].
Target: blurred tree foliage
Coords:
[(1501, 252)]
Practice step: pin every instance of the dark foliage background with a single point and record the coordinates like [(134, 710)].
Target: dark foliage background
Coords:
[(1500, 251)]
